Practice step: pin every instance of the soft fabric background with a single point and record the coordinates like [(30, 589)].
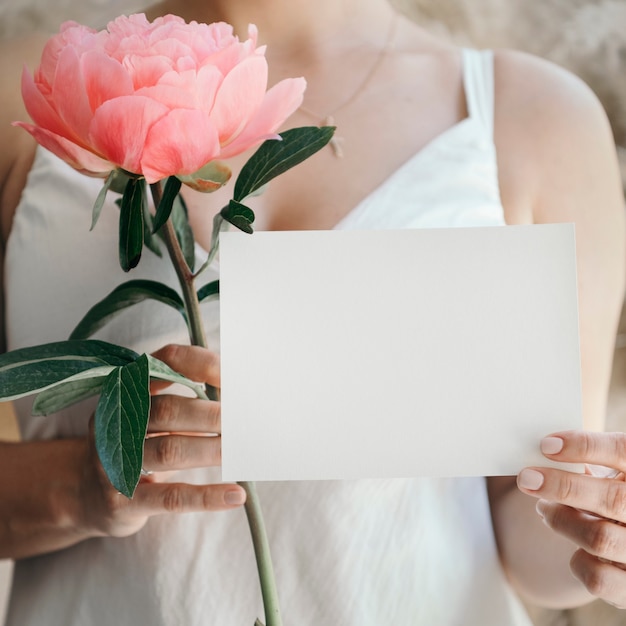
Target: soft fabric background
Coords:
[(585, 36)]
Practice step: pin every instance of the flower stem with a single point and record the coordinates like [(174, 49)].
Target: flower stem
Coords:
[(252, 506), (186, 279), (263, 555)]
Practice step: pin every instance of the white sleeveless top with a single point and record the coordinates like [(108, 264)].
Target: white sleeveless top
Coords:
[(347, 553)]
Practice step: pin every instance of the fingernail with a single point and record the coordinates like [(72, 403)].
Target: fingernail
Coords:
[(236, 496), (530, 479), (551, 445)]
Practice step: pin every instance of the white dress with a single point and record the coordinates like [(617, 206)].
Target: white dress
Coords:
[(352, 553)]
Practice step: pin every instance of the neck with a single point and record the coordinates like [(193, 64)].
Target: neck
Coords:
[(294, 29), (334, 44)]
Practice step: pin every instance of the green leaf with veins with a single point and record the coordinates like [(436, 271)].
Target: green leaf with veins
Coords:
[(184, 233), (121, 424), (170, 192), (125, 295), (31, 370), (239, 216), (71, 390), (276, 157), (131, 224), (162, 371), (209, 290), (101, 197)]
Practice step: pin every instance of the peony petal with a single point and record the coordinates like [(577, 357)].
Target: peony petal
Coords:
[(40, 108), (186, 90), (146, 71), (239, 96), (104, 78), (171, 97), (184, 64), (120, 127), (71, 34), (224, 60), (185, 79), (180, 143), (128, 25), (279, 103), (79, 158), (119, 49), (207, 39), (49, 58), (171, 48), (253, 34), (70, 95), (208, 82)]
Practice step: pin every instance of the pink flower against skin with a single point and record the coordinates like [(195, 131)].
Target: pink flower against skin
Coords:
[(156, 99)]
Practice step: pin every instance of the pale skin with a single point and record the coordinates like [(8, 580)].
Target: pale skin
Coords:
[(556, 164)]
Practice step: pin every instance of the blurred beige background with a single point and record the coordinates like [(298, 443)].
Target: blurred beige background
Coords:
[(586, 36)]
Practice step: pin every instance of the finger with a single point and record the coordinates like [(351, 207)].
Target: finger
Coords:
[(170, 413), (156, 498), (606, 449), (597, 536), (600, 496), (176, 452), (194, 362), (603, 580)]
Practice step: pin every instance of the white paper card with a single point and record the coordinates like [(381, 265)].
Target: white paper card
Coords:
[(380, 354)]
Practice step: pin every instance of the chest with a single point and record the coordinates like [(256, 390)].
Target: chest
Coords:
[(377, 135)]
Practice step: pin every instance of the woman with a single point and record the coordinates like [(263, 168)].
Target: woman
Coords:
[(422, 145)]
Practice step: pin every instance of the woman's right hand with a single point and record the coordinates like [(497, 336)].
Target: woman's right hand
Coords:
[(183, 433)]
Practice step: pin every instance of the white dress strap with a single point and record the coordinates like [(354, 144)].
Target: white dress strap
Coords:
[(479, 86)]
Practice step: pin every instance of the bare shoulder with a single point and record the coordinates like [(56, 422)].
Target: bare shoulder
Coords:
[(541, 82), (554, 140), (558, 163), (17, 146)]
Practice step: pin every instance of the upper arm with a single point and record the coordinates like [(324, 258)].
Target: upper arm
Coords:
[(559, 164), (17, 147)]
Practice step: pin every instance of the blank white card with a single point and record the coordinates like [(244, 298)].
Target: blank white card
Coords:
[(381, 354)]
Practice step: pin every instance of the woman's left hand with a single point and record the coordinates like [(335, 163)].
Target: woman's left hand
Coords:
[(588, 509)]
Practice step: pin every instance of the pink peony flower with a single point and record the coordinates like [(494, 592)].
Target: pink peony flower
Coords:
[(155, 99)]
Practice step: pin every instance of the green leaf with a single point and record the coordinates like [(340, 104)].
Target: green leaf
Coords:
[(275, 157), (34, 369), (161, 371), (209, 290), (71, 390), (149, 240), (184, 233), (89, 383), (125, 295), (121, 423), (131, 224), (219, 224), (172, 187), (239, 216), (99, 203)]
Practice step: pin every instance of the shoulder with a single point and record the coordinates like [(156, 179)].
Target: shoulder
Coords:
[(522, 74), (557, 162), (548, 100), (552, 135), (18, 147)]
